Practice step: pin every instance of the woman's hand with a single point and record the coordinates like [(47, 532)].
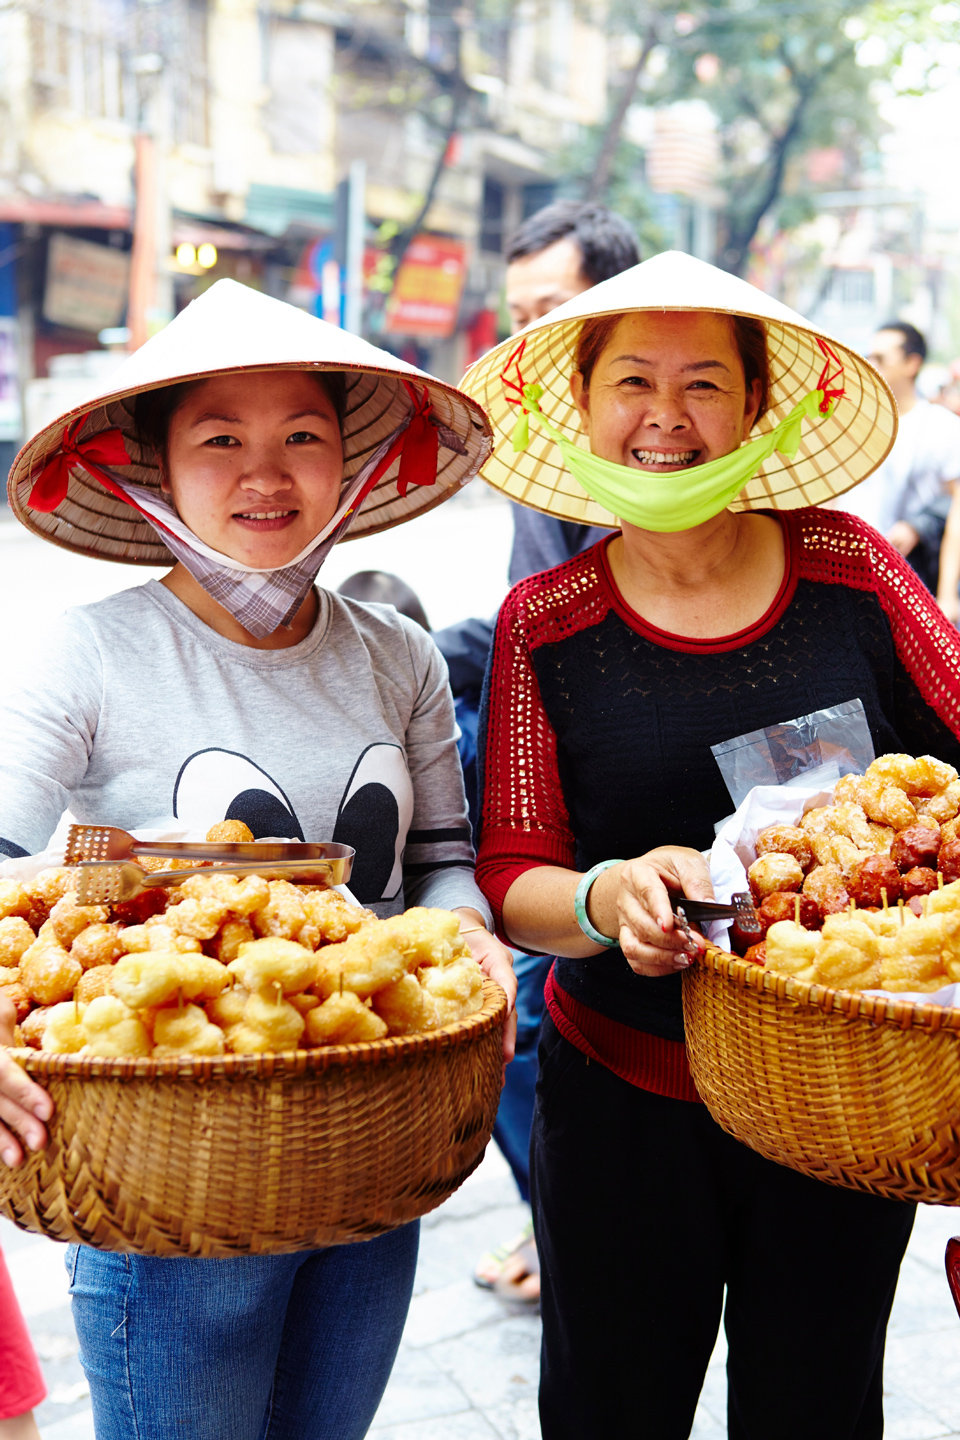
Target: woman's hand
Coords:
[(23, 1105), (496, 962), (636, 900)]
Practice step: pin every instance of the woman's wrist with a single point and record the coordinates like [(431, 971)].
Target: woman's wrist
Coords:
[(595, 916)]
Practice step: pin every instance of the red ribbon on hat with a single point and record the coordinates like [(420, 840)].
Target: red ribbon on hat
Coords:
[(106, 448), (421, 444), (828, 378)]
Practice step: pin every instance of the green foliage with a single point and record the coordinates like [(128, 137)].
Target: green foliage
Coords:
[(627, 192)]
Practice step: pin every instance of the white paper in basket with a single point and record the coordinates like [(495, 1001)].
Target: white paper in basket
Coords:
[(29, 866), (735, 848)]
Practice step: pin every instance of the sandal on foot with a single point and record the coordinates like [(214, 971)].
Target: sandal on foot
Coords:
[(490, 1265), (519, 1279)]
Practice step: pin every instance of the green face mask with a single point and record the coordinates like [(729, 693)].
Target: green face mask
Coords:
[(680, 499)]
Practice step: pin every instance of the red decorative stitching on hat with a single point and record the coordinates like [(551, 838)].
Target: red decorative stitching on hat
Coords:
[(831, 391), (420, 442), (108, 448), (514, 386)]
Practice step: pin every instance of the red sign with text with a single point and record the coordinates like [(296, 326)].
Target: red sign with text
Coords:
[(426, 294)]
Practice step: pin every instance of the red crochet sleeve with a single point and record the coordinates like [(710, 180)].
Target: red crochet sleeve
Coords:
[(524, 818), (841, 549)]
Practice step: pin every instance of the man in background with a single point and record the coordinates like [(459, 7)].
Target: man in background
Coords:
[(909, 497), (557, 253)]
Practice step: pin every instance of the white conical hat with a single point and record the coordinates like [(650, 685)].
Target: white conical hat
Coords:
[(234, 328), (834, 453)]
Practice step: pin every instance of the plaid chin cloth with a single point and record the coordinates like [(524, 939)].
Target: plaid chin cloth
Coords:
[(261, 600)]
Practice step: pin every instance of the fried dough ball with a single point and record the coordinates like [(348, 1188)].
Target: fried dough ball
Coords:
[(268, 1024), (262, 964), (364, 964), (47, 972), (849, 957), (922, 775), (228, 939), (881, 837), (838, 850), (111, 1028), (774, 872), (757, 954), (304, 1001), (825, 885), (185, 1031), (886, 804), (148, 978), (197, 919), (283, 914), (334, 917), (63, 1031), (849, 819), (912, 958), (783, 905), (427, 937), (201, 977), (786, 840), (406, 1007), (791, 950), (49, 886), (32, 1028), (69, 919), (916, 845), (230, 832), (343, 1020), (97, 945), (14, 900), (455, 989), (921, 880), (94, 982), (815, 821), (227, 1009), (140, 909), (238, 897), (155, 935), (16, 994), (948, 861), (876, 881), (943, 806), (16, 937)]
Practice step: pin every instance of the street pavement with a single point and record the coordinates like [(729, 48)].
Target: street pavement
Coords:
[(467, 1368), (468, 1364)]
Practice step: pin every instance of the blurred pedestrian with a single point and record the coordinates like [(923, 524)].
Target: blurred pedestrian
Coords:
[(379, 587), (909, 497), (21, 1384)]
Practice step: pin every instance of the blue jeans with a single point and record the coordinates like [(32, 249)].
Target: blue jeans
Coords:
[(269, 1347), (515, 1113)]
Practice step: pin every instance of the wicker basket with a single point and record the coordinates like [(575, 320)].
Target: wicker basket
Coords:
[(852, 1089), (252, 1155)]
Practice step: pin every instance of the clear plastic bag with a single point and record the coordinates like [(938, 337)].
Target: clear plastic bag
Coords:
[(813, 751)]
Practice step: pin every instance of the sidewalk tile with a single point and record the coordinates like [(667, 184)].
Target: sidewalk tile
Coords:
[(418, 1390), (517, 1421), (469, 1426), (923, 1301), (454, 1310), (904, 1419), (75, 1427), (39, 1277), (487, 1363)]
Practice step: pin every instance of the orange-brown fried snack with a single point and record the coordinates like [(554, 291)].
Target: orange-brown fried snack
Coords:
[(69, 919), (283, 914), (47, 972), (334, 917), (343, 1020), (49, 886), (772, 872), (97, 945), (230, 832), (228, 939), (16, 994), (33, 1026), (364, 964), (93, 982), (14, 900), (406, 1007), (16, 937), (786, 840)]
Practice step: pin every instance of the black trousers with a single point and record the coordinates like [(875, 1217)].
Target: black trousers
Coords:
[(644, 1210)]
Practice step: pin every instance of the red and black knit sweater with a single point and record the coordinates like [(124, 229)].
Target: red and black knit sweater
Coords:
[(596, 731)]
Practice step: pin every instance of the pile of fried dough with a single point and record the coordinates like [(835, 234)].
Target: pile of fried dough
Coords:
[(224, 965), (864, 894)]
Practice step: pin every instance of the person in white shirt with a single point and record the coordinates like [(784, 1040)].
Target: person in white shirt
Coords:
[(909, 497)]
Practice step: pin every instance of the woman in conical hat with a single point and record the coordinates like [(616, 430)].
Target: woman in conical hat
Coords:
[(710, 423), (241, 443)]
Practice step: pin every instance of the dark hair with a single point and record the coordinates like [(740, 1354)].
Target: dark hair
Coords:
[(606, 243), (913, 341), (382, 588), (749, 336), (154, 409)]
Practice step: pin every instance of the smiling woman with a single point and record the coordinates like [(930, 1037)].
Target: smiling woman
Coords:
[(708, 418)]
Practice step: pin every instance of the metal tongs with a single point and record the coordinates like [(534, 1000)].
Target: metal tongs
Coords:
[(740, 910), (109, 873)]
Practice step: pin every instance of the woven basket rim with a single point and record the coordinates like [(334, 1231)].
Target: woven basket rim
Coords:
[(903, 1014), (49, 1065)]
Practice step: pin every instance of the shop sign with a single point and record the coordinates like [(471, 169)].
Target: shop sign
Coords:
[(426, 294), (86, 284)]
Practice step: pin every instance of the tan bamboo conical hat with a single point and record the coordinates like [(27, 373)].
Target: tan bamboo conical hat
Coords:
[(233, 328), (834, 454)]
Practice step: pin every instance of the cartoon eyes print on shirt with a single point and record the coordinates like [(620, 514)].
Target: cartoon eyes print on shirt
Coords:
[(216, 785), (375, 814)]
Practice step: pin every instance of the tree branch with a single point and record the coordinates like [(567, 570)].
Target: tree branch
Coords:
[(600, 178)]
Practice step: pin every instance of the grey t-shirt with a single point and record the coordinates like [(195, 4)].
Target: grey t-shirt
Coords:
[(137, 711)]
